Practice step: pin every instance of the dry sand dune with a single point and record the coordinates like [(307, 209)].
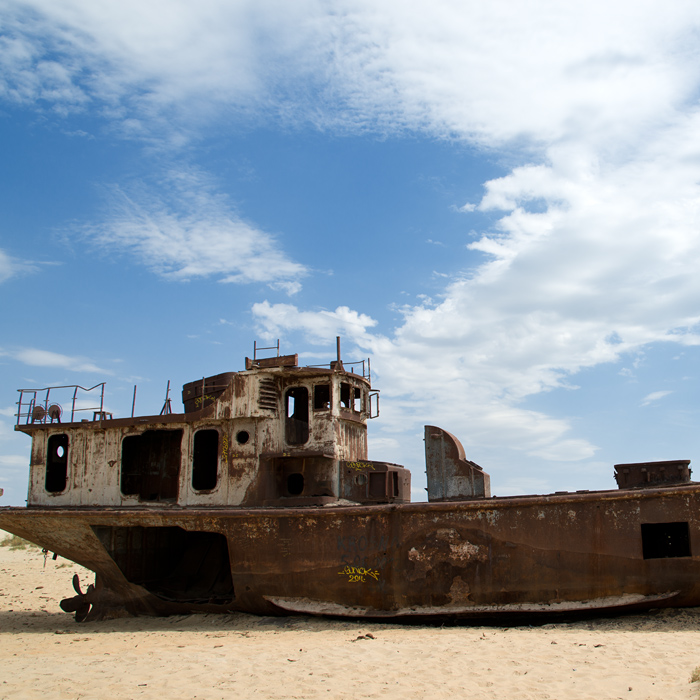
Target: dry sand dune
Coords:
[(45, 654)]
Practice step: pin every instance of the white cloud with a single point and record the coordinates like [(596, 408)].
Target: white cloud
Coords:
[(193, 233), (144, 62), (36, 357), (273, 320), (488, 73), (654, 396), (11, 267)]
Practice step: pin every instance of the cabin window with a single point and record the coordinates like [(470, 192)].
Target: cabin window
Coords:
[(377, 484), (350, 397), (356, 400), (345, 395), (322, 397), (242, 437), (665, 540), (57, 464), (205, 459), (151, 465), (297, 412), (394, 477)]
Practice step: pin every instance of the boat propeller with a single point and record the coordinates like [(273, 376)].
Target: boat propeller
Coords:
[(79, 604)]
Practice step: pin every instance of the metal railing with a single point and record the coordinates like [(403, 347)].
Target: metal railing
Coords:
[(38, 406)]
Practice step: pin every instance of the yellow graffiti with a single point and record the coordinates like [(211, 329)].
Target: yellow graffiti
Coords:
[(358, 574), (224, 448), (360, 466), (199, 399)]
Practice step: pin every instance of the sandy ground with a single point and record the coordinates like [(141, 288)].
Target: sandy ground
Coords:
[(45, 654)]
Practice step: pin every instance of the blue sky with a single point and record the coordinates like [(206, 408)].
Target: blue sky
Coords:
[(498, 203)]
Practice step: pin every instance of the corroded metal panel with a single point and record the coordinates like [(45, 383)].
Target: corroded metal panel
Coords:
[(508, 557), (650, 474), (451, 476)]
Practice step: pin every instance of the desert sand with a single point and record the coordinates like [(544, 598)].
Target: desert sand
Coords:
[(45, 654)]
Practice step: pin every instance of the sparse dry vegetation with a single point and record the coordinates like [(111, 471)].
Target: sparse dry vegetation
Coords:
[(695, 675), (14, 542)]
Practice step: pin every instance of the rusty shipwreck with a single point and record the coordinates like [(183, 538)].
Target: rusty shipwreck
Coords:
[(260, 497)]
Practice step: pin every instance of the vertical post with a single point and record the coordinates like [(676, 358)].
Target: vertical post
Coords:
[(166, 406), (133, 402), (337, 347)]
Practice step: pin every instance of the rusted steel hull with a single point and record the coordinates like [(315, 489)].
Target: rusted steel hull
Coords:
[(500, 557)]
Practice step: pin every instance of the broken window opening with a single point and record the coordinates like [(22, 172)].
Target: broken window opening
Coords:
[(665, 540), (357, 400), (377, 485), (171, 563), (322, 397), (297, 412), (394, 476), (150, 466), (205, 460), (56, 478), (295, 484), (344, 395)]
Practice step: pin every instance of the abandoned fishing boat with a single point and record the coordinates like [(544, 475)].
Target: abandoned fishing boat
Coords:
[(260, 498)]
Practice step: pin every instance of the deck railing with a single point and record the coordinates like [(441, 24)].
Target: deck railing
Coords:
[(40, 406)]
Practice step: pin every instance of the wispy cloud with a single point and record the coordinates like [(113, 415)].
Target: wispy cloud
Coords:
[(36, 357), (158, 67), (192, 233), (654, 396), (12, 267)]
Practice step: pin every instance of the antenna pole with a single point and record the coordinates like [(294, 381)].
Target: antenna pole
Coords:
[(167, 408)]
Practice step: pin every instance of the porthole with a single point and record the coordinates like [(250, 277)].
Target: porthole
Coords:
[(242, 437)]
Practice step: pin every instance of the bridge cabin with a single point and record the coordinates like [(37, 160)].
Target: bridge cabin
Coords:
[(273, 435)]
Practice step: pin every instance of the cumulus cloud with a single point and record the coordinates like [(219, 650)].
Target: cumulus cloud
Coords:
[(273, 320), (192, 233)]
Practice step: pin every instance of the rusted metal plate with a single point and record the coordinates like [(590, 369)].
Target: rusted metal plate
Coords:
[(451, 476), (503, 557), (649, 474)]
